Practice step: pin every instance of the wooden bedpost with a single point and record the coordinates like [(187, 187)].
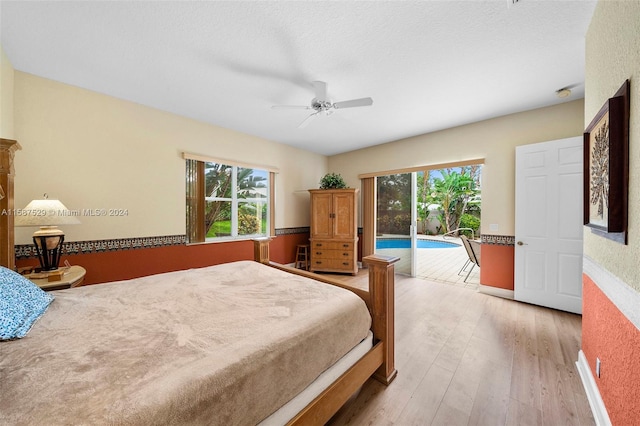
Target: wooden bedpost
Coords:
[(381, 290), (261, 250), (7, 253)]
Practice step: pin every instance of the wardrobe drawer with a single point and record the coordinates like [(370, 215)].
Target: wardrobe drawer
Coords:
[(323, 264), (332, 254), (333, 245)]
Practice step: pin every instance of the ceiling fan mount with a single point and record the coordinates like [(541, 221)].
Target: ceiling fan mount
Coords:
[(321, 103)]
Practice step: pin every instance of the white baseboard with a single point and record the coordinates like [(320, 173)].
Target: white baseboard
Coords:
[(593, 394), (496, 291), (617, 291)]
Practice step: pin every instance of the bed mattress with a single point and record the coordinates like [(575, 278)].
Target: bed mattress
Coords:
[(227, 344), (304, 398)]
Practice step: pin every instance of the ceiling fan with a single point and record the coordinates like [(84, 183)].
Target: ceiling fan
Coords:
[(321, 103)]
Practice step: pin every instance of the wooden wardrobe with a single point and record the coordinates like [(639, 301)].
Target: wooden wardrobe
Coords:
[(334, 230)]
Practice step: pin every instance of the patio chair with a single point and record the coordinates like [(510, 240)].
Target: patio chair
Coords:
[(473, 251)]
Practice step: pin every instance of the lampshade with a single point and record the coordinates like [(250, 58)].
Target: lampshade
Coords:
[(45, 213)]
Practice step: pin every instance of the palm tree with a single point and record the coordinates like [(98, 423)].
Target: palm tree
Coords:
[(424, 191), (453, 193), (218, 180)]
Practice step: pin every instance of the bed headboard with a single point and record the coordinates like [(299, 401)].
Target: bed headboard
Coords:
[(8, 147)]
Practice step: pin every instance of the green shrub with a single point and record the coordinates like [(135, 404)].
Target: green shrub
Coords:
[(401, 224), (470, 221), (384, 224)]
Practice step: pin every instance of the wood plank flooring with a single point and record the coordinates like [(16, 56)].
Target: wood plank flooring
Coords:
[(465, 358)]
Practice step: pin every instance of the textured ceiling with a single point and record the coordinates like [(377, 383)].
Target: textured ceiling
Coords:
[(428, 65)]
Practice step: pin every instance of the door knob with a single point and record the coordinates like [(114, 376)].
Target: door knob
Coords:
[(520, 243)]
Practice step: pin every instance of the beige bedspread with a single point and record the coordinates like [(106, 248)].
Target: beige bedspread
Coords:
[(226, 344)]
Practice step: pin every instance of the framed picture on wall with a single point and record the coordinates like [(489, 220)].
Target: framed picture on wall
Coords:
[(606, 165)]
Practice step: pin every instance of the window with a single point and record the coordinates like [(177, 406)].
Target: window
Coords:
[(227, 201)]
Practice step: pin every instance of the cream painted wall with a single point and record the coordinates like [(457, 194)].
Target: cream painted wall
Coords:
[(494, 140), (6, 97), (613, 55), (93, 151)]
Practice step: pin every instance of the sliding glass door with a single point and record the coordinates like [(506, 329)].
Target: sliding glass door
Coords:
[(396, 219)]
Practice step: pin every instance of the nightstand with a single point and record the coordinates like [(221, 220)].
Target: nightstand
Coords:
[(74, 277)]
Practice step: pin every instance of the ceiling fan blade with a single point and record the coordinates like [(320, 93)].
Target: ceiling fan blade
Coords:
[(571, 86), (307, 120), (290, 107), (353, 103), (320, 89)]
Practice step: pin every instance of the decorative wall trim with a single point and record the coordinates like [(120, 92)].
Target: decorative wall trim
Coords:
[(596, 403), (625, 298), (500, 240), (290, 231), (26, 251), (496, 291)]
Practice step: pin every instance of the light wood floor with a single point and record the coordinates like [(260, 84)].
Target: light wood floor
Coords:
[(465, 358)]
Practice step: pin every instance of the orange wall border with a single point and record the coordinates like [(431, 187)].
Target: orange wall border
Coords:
[(497, 261), (114, 260), (610, 335)]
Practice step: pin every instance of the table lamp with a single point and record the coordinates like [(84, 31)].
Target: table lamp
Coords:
[(47, 214)]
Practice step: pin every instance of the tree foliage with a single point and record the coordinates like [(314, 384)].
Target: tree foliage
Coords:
[(219, 184), (452, 193), (394, 203)]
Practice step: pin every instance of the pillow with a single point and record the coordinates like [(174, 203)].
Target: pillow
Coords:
[(21, 304)]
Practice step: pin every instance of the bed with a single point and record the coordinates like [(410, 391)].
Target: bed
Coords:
[(239, 343)]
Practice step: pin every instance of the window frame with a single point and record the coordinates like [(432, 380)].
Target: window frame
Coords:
[(196, 200)]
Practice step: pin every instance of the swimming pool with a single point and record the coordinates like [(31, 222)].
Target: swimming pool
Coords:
[(389, 243)]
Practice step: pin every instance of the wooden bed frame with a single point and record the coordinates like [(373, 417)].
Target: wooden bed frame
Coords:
[(377, 363)]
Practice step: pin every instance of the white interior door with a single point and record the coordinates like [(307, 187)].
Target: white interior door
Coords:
[(548, 251)]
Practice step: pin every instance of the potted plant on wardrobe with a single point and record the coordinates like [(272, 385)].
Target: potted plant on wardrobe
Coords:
[(332, 181)]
